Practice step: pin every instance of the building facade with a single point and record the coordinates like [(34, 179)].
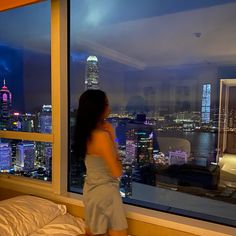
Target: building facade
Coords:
[(5, 106), (92, 73)]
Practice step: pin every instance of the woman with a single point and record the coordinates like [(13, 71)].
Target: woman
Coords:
[(95, 143)]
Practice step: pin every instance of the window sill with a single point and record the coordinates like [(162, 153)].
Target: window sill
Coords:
[(156, 218), (167, 220)]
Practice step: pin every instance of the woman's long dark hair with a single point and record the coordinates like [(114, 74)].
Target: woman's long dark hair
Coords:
[(92, 104)]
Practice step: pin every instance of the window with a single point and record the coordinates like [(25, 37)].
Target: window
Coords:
[(25, 92), (25, 65), (160, 66)]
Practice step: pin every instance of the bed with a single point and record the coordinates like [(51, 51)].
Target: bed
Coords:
[(33, 216)]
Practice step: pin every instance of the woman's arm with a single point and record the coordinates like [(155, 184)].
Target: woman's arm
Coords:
[(109, 128)]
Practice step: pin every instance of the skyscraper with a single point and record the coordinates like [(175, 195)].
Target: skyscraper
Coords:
[(5, 106), (45, 119), (5, 156), (206, 103), (48, 158), (92, 73), (140, 146), (140, 141), (25, 155)]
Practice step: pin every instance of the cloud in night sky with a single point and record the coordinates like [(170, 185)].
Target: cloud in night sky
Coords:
[(11, 69), (78, 56), (3, 67)]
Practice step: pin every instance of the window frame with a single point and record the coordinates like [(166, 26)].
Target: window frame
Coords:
[(59, 77)]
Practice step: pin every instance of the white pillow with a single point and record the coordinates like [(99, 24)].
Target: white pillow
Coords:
[(22, 215)]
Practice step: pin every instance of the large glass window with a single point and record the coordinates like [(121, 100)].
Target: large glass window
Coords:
[(25, 91), (25, 69), (160, 62)]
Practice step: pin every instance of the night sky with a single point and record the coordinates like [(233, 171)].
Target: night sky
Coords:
[(25, 51), (27, 75), (11, 69)]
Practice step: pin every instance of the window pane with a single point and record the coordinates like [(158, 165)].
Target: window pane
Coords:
[(26, 158), (160, 63), (25, 88)]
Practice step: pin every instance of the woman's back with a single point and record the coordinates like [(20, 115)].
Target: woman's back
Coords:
[(97, 171)]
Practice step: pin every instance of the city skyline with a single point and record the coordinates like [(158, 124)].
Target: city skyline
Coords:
[(132, 95), (180, 101)]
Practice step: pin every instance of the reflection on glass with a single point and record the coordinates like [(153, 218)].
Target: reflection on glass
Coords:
[(206, 103), (26, 158), (164, 98)]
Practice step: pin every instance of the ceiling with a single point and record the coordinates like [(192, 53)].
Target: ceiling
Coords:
[(205, 35)]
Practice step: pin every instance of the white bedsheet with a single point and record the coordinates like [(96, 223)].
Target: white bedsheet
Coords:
[(64, 225)]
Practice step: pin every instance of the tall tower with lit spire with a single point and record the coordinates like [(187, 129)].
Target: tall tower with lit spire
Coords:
[(5, 106), (92, 73)]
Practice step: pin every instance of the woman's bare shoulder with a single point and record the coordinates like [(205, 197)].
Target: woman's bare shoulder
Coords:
[(98, 137), (100, 142), (100, 134)]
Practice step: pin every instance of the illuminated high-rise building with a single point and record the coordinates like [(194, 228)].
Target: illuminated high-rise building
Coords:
[(131, 145), (129, 160), (126, 180), (145, 146), (15, 123), (5, 106), (92, 73), (45, 119), (23, 122), (140, 141), (25, 155), (5, 156), (28, 122), (206, 103), (48, 158)]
